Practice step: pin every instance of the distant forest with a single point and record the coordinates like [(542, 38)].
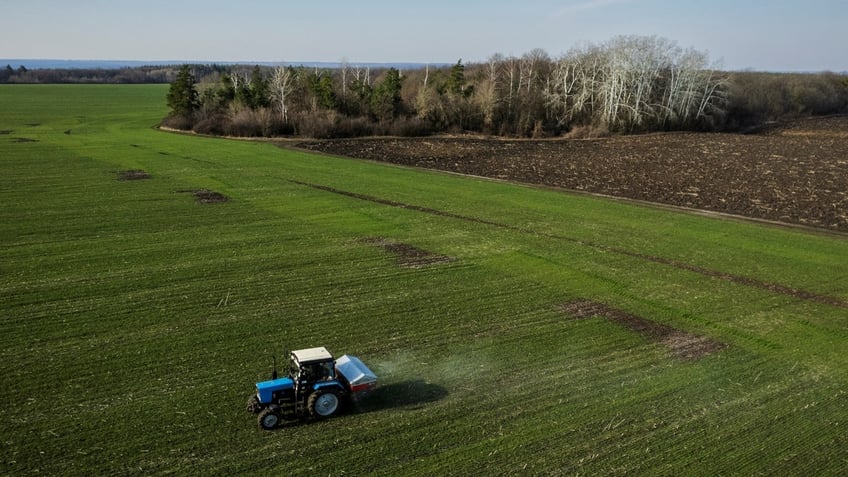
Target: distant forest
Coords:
[(625, 85), (134, 75)]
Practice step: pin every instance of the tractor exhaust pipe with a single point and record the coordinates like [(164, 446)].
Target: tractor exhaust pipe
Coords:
[(274, 374)]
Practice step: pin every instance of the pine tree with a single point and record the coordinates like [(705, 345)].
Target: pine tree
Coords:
[(258, 92), (386, 100), (456, 80), (321, 87), (182, 97)]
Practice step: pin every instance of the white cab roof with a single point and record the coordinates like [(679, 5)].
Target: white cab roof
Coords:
[(312, 354)]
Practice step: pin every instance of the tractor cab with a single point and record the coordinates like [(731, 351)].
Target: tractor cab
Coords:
[(312, 365)]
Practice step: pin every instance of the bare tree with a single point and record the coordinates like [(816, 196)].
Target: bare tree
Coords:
[(282, 80), (714, 97), (561, 90), (486, 94), (510, 74), (633, 83), (344, 68), (425, 99), (362, 76), (529, 66)]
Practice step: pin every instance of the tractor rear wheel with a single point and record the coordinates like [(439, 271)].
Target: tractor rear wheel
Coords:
[(269, 418), (324, 403)]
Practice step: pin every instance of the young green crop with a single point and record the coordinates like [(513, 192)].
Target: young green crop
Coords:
[(134, 320)]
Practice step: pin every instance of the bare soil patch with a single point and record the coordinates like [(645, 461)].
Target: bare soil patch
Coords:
[(133, 175), (407, 255), (684, 345), (795, 173), (206, 196)]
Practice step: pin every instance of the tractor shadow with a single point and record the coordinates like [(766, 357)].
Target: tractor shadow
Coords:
[(412, 394)]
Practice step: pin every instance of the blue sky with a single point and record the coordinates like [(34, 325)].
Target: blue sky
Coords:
[(775, 35)]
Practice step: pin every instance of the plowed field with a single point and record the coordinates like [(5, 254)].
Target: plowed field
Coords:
[(795, 173)]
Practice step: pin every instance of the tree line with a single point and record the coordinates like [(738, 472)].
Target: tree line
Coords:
[(135, 75), (148, 74), (628, 84), (758, 98)]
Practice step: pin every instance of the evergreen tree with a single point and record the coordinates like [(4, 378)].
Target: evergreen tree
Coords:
[(226, 91), (360, 103), (258, 92), (456, 79), (6, 73), (321, 87), (386, 99), (182, 97)]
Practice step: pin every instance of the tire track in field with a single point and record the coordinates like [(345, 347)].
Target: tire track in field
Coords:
[(729, 277)]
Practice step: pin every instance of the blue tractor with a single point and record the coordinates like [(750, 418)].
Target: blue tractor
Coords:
[(317, 386)]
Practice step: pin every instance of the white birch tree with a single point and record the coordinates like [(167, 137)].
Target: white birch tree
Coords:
[(634, 83), (280, 87)]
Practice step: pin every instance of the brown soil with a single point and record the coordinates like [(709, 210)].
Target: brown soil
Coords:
[(133, 175), (682, 344), (206, 196), (407, 255), (794, 173)]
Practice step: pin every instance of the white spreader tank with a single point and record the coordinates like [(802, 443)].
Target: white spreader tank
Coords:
[(361, 380)]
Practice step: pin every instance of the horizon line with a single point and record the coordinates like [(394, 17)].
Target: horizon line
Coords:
[(117, 63), (158, 62)]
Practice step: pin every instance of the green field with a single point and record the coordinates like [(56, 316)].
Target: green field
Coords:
[(134, 320)]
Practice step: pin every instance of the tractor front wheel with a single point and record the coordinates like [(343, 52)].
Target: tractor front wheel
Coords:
[(269, 418), (253, 405), (324, 403)]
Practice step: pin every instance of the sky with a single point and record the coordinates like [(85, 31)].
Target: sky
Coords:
[(764, 35)]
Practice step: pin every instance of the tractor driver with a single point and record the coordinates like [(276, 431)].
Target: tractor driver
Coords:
[(325, 370), (319, 371)]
